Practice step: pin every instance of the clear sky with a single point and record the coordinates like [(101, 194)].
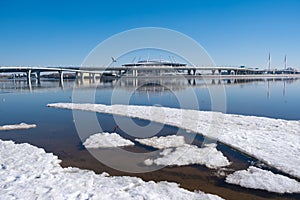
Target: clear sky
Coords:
[(234, 32)]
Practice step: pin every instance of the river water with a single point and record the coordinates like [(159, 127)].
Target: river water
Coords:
[(56, 132)]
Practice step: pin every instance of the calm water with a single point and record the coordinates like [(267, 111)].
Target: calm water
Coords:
[(56, 132)]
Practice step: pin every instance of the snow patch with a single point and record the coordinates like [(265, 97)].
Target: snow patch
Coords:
[(17, 126), (191, 154), (273, 141), (177, 152), (106, 140), (163, 142), (28, 172), (256, 178)]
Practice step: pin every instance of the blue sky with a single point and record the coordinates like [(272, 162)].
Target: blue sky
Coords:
[(234, 32)]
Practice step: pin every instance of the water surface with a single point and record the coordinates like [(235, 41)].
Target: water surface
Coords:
[(56, 132)]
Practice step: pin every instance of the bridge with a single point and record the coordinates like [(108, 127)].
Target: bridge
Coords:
[(135, 71)]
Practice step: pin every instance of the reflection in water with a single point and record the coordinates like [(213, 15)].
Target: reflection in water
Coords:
[(283, 93), (144, 84), (268, 90), (21, 85), (56, 132)]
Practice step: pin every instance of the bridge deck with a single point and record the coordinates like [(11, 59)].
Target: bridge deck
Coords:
[(99, 70), (93, 69)]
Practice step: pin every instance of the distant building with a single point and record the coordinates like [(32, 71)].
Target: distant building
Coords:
[(153, 68), (154, 63)]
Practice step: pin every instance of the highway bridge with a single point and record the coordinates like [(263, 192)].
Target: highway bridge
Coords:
[(135, 71)]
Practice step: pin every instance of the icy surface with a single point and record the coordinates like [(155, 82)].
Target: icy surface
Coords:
[(182, 153), (273, 141), (257, 178), (17, 126), (105, 140), (190, 154), (163, 142), (27, 172)]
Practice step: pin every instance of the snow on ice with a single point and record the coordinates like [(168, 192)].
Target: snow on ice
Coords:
[(182, 153), (273, 141), (163, 142), (256, 178), (106, 140), (17, 126), (28, 172)]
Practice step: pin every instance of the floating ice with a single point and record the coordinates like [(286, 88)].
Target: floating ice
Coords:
[(105, 140), (28, 172), (163, 142), (273, 141), (191, 154), (182, 153), (17, 126), (256, 178)]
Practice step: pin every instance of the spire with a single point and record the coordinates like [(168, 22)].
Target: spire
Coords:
[(269, 62), (285, 62)]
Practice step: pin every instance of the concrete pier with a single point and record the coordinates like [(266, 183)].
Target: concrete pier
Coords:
[(28, 74), (61, 79), (38, 77)]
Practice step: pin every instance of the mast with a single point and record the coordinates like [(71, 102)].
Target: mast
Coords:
[(269, 62), (285, 62)]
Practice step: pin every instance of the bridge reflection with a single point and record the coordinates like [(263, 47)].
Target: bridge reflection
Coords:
[(149, 85)]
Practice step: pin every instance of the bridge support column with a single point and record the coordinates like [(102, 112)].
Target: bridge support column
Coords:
[(61, 79), (194, 71), (81, 77), (38, 77), (94, 77), (213, 72), (28, 74), (189, 72), (90, 77), (220, 71), (76, 78)]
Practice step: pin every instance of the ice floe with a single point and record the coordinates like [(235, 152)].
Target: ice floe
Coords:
[(28, 172), (177, 152), (17, 126), (190, 154), (163, 142), (273, 141), (106, 140), (256, 178)]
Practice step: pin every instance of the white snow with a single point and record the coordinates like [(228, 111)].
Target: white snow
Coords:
[(273, 141), (182, 153), (106, 140), (17, 126), (191, 154), (256, 178), (27, 172), (163, 142)]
